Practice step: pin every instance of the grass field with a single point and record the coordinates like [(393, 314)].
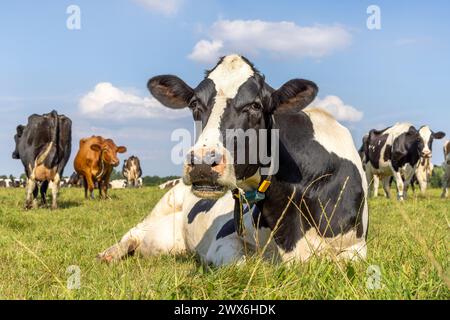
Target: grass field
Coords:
[(408, 244)]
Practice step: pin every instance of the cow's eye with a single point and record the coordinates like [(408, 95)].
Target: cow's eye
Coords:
[(193, 105), (255, 106)]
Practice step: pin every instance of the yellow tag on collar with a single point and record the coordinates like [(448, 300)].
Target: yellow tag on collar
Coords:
[(264, 186)]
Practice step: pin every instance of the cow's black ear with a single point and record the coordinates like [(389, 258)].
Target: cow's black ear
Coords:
[(19, 130), (294, 95), (171, 91), (439, 135)]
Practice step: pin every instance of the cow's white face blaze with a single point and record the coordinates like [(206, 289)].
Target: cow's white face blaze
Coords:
[(232, 97)]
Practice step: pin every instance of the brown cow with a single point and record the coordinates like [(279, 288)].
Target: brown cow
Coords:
[(95, 161)]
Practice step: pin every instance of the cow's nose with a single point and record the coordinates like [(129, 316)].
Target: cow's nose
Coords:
[(211, 157), (205, 164), (426, 154)]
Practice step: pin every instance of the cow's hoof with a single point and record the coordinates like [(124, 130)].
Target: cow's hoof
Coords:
[(54, 206)]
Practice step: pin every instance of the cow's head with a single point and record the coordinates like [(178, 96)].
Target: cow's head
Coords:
[(412, 143), (108, 151), (428, 137), (233, 95), (17, 136), (447, 152)]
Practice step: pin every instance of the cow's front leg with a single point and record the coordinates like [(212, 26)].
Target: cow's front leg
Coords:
[(89, 186), (55, 189), (31, 194), (160, 235), (387, 187), (104, 189), (43, 191), (376, 185), (226, 250), (372, 181), (400, 185), (445, 184)]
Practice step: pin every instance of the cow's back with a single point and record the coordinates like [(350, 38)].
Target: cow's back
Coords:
[(321, 161)]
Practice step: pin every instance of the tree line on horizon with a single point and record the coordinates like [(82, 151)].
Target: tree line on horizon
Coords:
[(148, 181)]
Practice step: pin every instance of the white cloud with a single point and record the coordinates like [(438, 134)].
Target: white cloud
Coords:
[(280, 39), (207, 51), (109, 102), (166, 7), (338, 109)]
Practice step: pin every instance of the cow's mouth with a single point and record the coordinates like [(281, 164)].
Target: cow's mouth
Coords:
[(208, 191)]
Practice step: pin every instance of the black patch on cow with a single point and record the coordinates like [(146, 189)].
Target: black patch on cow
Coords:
[(258, 218), (374, 145), (202, 101), (227, 229), (387, 153), (303, 161), (407, 149), (240, 113), (204, 205)]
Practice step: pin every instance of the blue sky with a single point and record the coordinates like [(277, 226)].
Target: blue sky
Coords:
[(97, 75)]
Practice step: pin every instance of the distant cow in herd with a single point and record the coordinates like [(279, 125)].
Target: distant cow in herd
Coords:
[(12, 183), (95, 161), (75, 180), (132, 171), (400, 151), (169, 184), (446, 181), (118, 184), (43, 146)]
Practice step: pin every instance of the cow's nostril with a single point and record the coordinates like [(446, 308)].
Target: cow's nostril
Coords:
[(214, 158), (192, 159)]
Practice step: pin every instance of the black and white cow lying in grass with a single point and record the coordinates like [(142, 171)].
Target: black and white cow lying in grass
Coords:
[(316, 202)]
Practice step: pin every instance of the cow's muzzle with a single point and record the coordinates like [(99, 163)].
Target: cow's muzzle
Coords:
[(426, 154), (204, 169)]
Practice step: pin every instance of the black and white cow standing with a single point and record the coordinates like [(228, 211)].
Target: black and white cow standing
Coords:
[(132, 171), (388, 151), (316, 203), (424, 169), (44, 147)]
